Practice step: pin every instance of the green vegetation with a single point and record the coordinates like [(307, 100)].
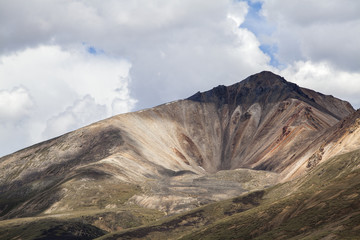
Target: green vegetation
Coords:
[(90, 202), (88, 194), (45, 229), (79, 225), (176, 226)]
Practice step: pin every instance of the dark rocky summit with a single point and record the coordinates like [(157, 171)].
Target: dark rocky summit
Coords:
[(266, 88)]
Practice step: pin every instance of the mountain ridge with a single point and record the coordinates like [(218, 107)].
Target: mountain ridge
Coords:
[(263, 87)]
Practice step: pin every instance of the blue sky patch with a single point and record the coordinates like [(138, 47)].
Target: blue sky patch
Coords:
[(257, 24), (271, 50), (92, 50)]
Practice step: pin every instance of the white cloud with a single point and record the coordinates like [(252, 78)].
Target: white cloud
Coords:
[(196, 55), (83, 112), (63, 85), (325, 78), (175, 47), (237, 12), (15, 105), (317, 44), (34, 22), (308, 12), (323, 30)]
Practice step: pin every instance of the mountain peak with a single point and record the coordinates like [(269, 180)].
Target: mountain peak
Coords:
[(265, 78), (262, 88)]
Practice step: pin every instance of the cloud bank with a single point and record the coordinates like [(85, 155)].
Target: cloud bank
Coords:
[(64, 90), (65, 64)]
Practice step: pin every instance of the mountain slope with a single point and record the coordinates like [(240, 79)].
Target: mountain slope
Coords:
[(174, 157), (341, 138)]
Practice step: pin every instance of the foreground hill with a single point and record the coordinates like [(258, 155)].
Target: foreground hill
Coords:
[(132, 169)]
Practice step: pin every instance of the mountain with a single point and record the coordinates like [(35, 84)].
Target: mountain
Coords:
[(133, 169)]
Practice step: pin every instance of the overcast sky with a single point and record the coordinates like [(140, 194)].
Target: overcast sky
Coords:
[(67, 63)]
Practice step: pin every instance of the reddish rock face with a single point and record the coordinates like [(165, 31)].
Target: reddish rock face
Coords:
[(265, 122)]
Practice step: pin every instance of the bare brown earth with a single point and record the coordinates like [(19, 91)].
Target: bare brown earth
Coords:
[(180, 155)]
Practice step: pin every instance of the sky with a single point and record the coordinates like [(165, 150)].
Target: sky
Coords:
[(67, 63)]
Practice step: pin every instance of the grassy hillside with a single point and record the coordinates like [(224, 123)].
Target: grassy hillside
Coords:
[(86, 224), (324, 203)]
